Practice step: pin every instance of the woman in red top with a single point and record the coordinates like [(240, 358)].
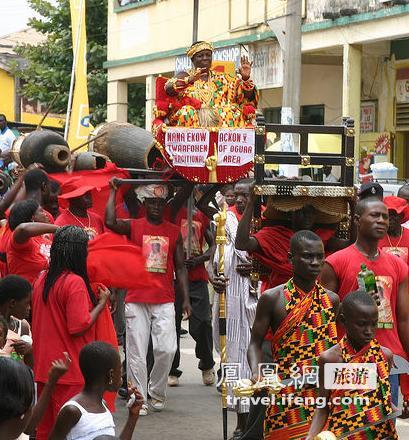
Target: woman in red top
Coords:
[(28, 249), (64, 313)]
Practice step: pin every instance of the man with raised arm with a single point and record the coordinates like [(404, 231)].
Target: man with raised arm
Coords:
[(151, 312)]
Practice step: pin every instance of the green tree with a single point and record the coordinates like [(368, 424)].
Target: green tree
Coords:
[(47, 72)]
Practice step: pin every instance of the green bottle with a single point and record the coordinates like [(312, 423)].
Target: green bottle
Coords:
[(16, 357), (366, 280)]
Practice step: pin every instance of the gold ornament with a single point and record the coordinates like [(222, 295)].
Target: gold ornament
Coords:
[(198, 47)]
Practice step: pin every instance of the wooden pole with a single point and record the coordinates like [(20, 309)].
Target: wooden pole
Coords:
[(88, 141), (46, 112), (221, 239)]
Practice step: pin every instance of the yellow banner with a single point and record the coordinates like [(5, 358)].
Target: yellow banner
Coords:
[(80, 126)]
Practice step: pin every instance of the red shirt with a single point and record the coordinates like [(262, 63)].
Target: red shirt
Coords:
[(389, 271), (50, 216), (4, 245), (66, 312), (93, 223), (30, 258), (398, 246), (199, 225), (158, 243)]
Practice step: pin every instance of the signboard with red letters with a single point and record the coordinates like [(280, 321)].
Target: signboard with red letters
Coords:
[(204, 155)]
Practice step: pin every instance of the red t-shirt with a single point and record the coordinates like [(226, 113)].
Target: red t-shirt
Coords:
[(49, 215), (66, 312), (389, 271), (4, 245), (199, 225), (158, 243), (398, 246), (30, 258), (93, 224)]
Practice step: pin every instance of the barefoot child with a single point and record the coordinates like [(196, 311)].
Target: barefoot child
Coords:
[(86, 416), (365, 413)]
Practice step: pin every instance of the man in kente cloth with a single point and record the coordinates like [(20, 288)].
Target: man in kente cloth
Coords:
[(353, 414), (209, 98), (301, 315)]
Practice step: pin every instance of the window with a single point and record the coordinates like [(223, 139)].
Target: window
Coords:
[(312, 114), (272, 115), (309, 114), (129, 4)]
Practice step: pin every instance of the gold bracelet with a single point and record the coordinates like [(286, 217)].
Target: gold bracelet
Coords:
[(171, 82)]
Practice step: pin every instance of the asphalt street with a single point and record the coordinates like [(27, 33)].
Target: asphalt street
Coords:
[(193, 410)]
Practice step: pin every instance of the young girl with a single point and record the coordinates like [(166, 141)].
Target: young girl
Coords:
[(15, 298), (86, 416)]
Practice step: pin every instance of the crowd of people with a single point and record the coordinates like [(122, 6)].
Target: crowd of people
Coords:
[(78, 281), (308, 310)]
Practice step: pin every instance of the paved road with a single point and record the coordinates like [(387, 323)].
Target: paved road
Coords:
[(193, 410)]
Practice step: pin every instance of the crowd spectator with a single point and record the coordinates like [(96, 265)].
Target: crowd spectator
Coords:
[(64, 313), (7, 139)]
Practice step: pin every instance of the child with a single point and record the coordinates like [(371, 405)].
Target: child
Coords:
[(369, 412), (17, 396), (15, 299), (86, 416), (4, 328)]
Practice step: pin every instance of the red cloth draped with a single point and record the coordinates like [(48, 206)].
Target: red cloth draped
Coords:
[(274, 242), (97, 178), (114, 261)]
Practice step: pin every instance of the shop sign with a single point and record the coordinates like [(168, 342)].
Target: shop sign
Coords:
[(230, 53), (368, 116), (267, 70), (402, 86)]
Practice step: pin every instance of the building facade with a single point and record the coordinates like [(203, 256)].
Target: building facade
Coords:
[(15, 107), (355, 59)]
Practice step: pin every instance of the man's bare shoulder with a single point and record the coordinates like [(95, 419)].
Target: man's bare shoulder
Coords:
[(334, 298), (273, 295), (332, 355)]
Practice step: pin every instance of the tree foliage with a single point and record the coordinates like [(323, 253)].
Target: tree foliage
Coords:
[(47, 72)]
